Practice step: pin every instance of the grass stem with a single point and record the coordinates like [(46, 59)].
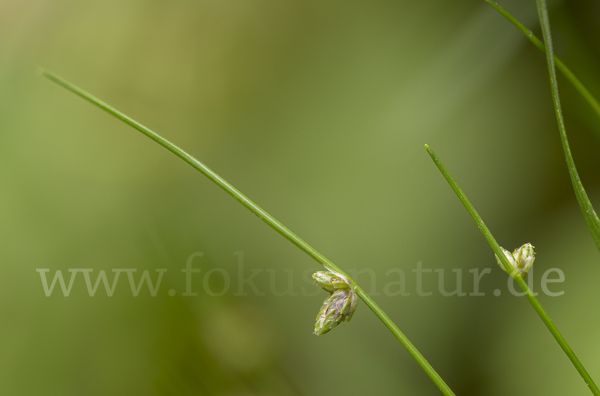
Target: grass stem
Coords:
[(589, 213), (267, 218), (521, 282), (587, 96), (587, 209)]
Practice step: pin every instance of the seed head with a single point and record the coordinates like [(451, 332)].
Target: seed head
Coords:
[(329, 281), (509, 257), (337, 308), (524, 256), (520, 260)]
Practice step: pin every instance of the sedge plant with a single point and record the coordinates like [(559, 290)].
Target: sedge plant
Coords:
[(510, 264), (518, 263), (340, 305)]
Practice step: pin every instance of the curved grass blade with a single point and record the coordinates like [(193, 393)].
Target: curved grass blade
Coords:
[(267, 218), (559, 64), (521, 282), (589, 213), (587, 209)]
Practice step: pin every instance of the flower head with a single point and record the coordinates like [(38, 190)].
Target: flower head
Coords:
[(509, 257), (337, 308), (524, 256), (520, 260), (329, 281)]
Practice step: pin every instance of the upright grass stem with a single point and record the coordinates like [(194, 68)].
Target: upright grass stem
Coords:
[(267, 218), (559, 64), (517, 276)]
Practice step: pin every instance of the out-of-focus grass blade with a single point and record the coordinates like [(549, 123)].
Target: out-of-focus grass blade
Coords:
[(559, 64), (589, 213)]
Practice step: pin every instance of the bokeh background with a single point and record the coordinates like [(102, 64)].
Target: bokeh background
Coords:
[(317, 110)]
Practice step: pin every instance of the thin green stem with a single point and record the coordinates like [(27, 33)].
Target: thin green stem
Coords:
[(589, 213), (559, 64), (267, 218), (530, 296), (435, 377)]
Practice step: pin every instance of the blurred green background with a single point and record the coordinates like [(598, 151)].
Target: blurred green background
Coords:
[(318, 111)]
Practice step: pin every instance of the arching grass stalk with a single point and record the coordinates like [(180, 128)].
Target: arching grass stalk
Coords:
[(587, 209), (559, 64), (516, 275), (589, 213), (267, 218)]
